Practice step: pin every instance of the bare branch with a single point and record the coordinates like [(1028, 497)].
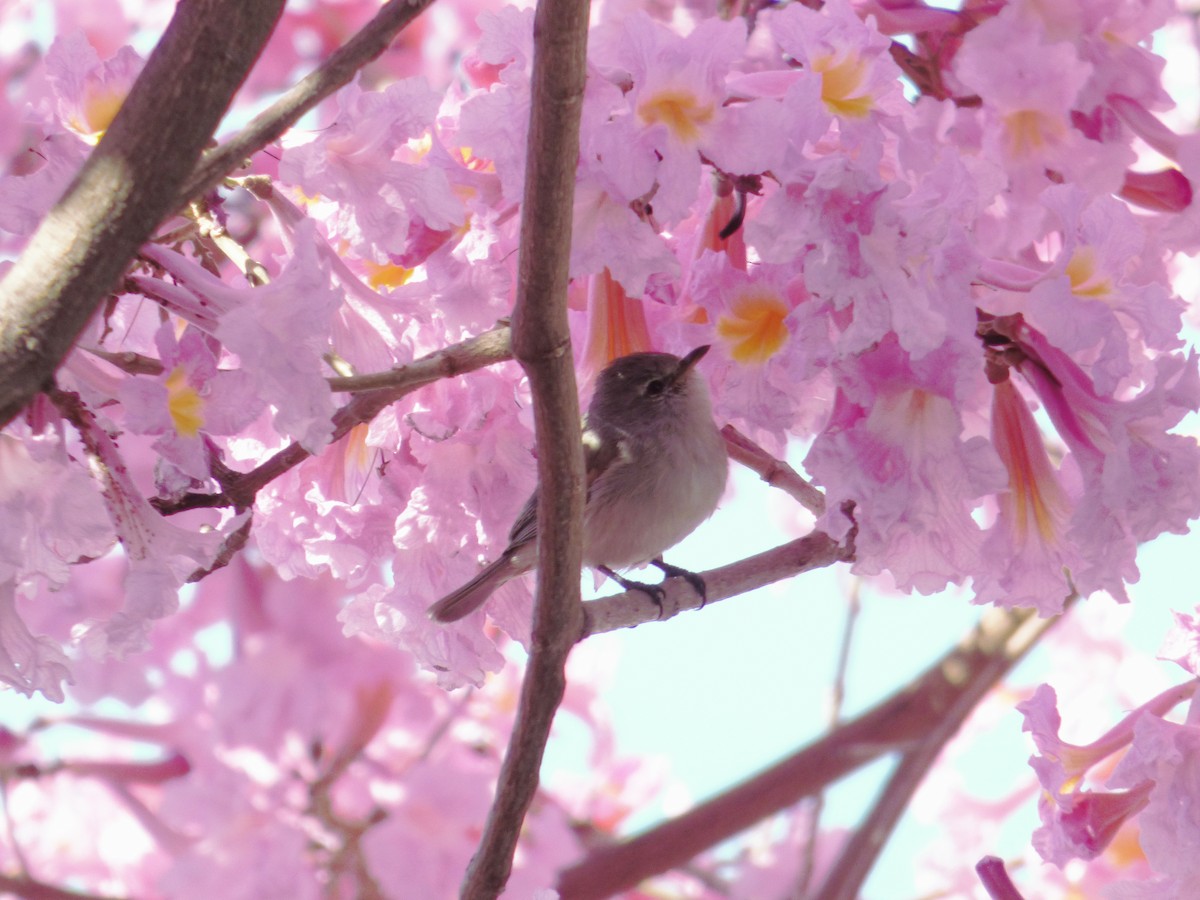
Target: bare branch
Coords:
[(859, 853), (774, 472), (336, 72), (949, 689), (630, 608), (29, 889), (239, 489), (542, 344), (125, 189)]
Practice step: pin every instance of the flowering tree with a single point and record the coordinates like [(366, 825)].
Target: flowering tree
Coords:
[(264, 400)]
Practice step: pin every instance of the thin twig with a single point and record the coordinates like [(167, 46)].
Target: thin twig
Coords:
[(837, 700), (335, 72), (774, 472), (542, 344), (239, 489), (901, 722)]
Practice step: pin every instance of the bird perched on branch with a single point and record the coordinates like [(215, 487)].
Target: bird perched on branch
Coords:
[(655, 467)]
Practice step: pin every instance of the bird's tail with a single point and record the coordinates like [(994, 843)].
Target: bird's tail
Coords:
[(474, 593)]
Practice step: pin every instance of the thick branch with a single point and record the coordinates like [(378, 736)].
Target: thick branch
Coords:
[(335, 72), (900, 723), (125, 189), (858, 855), (542, 344)]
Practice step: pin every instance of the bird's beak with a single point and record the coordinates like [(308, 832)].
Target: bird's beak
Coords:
[(688, 362)]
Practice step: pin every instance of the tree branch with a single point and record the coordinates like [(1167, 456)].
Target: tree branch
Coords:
[(239, 489), (125, 189), (950, 687), (336, 72), (542, 344), (774, 472), (631, 608), (858, 855)]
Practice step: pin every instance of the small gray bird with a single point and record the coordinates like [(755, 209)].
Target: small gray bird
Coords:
[(655, 467)]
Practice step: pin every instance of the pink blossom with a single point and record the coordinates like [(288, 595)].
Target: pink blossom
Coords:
[(1025, 114), (190, 399), (1032, 519), (278, 331), (365, 163), (1182, 642), (895, 446), (51, 515), (88, 92), (29, 663), (1138, 478), (1164, 754)]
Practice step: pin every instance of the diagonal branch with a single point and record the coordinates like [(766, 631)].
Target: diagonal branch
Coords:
[(774, 472), (542, 344), (860, 852), (950, 687), (336, 72), (635, 607), (125, 189), (238, 489)]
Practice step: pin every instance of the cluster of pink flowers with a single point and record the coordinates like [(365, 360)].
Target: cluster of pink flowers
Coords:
[(953, 279)]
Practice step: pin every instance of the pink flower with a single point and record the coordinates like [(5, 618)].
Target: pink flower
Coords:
[(366, 161), (278, 331), (89, 92), (1166, 756), (1091, 300), (1032, 520), (857, 77), (674, 101), (51, 514), (29, 663), (895, 446), (1029, 82), (192, 398), (1139, 479), (1079, 823)]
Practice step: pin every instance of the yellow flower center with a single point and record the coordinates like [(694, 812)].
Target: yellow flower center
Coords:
[(184, 403), (684, 114), (1087, 280), (755, 326), (1029, 130), (842, 80), (99, 107), (386, 274)]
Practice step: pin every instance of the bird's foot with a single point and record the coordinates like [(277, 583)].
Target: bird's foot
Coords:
[(692, 578), (654, 591)]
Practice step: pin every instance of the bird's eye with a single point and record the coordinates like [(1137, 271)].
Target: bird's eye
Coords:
[(655, 386)]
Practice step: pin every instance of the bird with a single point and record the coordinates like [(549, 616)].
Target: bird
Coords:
[(655, 468)]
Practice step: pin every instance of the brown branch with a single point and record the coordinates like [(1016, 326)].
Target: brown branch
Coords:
[(29, 889), (336, 72), (630, 608), (899, 723), (542, 343), (774, 472), (125, 189), (239, 489), (859, 853)]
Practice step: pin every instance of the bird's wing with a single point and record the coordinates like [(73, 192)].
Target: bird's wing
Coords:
[(600, 453)]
